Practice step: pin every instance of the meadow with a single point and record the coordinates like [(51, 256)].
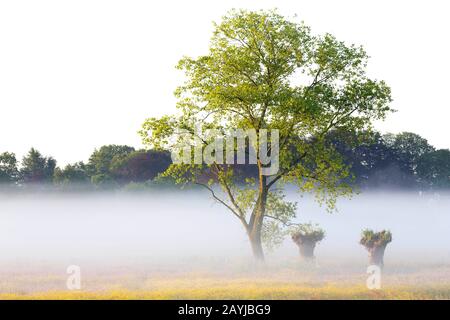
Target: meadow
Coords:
[(145, 247), (235, 280)]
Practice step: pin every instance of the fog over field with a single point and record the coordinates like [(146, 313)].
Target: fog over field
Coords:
[(155, 227)]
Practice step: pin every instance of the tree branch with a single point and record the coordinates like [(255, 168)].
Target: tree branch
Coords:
[(223, 202), (285, 223)]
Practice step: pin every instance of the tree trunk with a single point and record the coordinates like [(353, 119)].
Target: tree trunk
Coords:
[(306, 249), (376, 255), (257, 249), (254, 230), (305, 245)]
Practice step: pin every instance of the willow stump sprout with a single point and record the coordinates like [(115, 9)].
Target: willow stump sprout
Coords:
[(376, 243), (306, 237)]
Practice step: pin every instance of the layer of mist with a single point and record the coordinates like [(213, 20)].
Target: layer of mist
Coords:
[(189, 226)]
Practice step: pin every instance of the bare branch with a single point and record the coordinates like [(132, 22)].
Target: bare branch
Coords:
[(222, 202), (285, 223), (229, 193)]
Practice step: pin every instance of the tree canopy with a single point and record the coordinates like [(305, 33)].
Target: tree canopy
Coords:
[(99, 165), (36, 168), (76, 173), (9, 172)]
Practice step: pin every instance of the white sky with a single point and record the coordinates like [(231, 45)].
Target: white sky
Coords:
[(75, 75)]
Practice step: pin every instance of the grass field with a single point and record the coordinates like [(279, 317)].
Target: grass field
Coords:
[(288, 282), (251, 291)]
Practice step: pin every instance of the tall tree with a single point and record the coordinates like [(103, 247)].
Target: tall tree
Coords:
[(408, 147), (76, 173), (140, 166), (99, 165), (263, 71), (8, 168), (37, 168), (373, 162), (433, 169)]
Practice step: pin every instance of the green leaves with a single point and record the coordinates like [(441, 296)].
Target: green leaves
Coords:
[(9, 173), (308, 231), (433, 169), (161, 130), (371, 239), (37, 168)]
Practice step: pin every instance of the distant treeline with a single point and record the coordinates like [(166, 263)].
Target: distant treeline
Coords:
[(111, 166), (405, 160)]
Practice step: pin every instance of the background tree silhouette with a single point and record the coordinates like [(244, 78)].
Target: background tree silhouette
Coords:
[(37, 168), (9, 172)]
